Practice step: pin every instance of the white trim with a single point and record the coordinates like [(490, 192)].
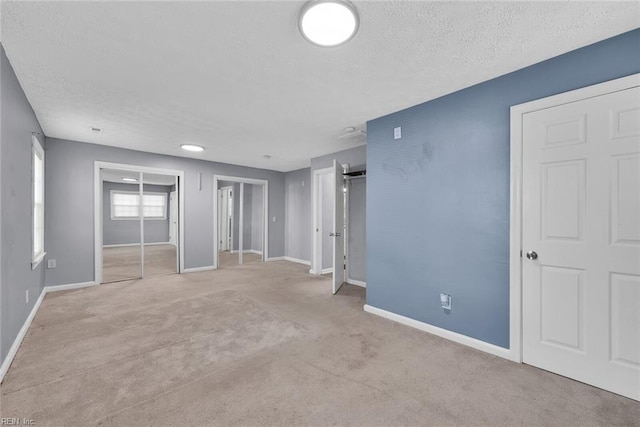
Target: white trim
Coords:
[(137, 244), (327, 270), (97, 208), (13, 350), (296, 260), (35, 262), (316, 253), (515, 232), (265, 215), (357, 282), (196, 269), (444, 333), (276, 258), (57, 288), (8, 360)]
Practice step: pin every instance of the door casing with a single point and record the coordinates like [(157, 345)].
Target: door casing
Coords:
[(265, 216), (516, 195), (97, 209)]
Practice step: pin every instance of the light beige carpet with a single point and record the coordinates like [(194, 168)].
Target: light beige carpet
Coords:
[(266, 344), (228, 259), (123, 262)]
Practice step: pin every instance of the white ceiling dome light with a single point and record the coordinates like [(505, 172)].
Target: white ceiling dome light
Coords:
[(328, 23), (192, 147)]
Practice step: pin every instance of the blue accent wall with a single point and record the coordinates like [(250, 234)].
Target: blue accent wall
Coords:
[(438, 199)]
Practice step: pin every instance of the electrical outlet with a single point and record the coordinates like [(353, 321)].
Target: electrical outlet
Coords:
[(397, 132), (27, 296), (51, 263), (274, 219), (445, 301)]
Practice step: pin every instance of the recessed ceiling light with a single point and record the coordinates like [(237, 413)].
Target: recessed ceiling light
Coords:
[(94, 129), (191, 147), (129, 179), (328, 23), (266, 156)]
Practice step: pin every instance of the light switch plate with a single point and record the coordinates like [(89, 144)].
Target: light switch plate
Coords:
[(397, 132)]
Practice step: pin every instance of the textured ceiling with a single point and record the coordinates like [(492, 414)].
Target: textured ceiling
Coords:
[(238, 78)]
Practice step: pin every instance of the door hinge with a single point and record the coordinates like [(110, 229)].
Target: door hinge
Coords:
[(520, 253)]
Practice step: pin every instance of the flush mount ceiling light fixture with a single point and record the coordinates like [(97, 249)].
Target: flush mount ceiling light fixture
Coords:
[(192, 147), (328, 23)]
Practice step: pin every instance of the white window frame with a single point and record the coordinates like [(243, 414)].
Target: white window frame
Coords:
[(37, 257), (137, 218)]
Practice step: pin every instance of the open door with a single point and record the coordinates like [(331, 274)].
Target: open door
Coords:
[(338, 228)]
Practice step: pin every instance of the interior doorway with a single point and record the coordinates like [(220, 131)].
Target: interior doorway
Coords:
[(240, 220), (328, 200), (138, 222), (576, 174)]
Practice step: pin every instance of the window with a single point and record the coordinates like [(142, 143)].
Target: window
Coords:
[(37, 192), (126, 205)]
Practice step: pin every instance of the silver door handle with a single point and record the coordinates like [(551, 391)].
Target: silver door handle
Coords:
[(532, 255), (334, 234)]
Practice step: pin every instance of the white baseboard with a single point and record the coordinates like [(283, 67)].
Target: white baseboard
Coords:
[(56, 288), (196, 269), (137, 244), (297, 260), (276, 258), (327, 270), (453, 336), (357, 282), (6, 364), (248, 251)]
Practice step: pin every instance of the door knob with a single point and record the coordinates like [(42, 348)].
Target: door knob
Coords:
[(532, 255)]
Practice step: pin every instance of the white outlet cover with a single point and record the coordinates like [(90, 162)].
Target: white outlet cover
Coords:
[(397, 132)]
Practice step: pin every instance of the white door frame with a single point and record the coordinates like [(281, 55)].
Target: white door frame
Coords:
[(515, 247), (316, 206), (265, 215), (97, 209)]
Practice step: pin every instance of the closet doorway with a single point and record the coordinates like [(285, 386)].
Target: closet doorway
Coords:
[(240, 220), (138, 222)]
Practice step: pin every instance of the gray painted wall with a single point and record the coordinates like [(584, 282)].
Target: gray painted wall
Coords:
[(70, 201), (17, 122), (298, 232), (357, 244), (124, 231)]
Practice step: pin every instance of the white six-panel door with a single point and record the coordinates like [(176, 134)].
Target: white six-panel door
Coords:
[(581, 217)]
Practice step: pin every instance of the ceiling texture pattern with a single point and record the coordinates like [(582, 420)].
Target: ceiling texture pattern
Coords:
[(238, 78)]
